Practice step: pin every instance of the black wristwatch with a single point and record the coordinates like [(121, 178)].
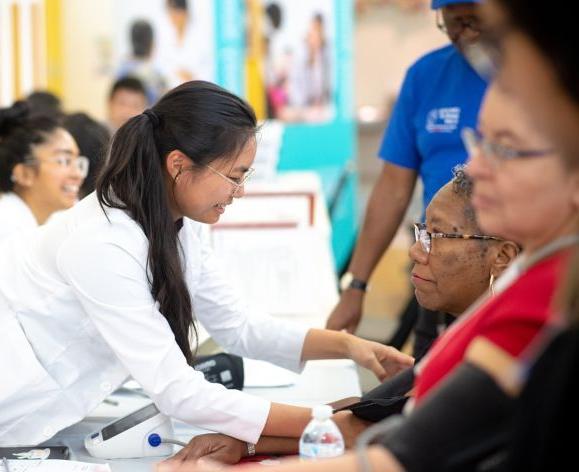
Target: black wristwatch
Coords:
[(349, 281)]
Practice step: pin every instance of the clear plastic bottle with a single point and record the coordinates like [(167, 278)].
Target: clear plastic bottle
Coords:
[(321, 438)]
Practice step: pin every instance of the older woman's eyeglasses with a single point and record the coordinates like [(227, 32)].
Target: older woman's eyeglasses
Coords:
[(475, 143), (236, 183), (424, 237)]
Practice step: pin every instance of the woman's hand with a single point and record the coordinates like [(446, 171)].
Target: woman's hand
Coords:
[(384, 361), (216, 447)]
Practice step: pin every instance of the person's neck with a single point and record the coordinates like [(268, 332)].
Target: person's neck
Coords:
[(180, 29), (38, 207), (176, 214), (533, 245)]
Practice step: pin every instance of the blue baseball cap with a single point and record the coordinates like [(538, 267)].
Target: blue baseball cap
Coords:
[(436, 4)]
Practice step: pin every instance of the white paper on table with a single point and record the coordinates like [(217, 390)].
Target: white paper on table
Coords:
[(132, 385), (270, 139), (292, 271), (263, 374), (270, 209), (53, 465)]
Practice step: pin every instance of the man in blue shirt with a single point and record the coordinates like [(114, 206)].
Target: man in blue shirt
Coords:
[(440, 95)]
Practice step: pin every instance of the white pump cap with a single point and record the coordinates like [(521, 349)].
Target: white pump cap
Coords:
[(322, 412)]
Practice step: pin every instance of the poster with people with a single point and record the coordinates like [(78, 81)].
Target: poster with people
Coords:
[(164, 43), (299, 76), (297, 63)]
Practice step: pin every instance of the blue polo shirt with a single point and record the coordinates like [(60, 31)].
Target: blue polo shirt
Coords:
[(441, 94)]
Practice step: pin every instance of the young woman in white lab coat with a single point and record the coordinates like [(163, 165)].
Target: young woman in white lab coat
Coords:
[(111, 287), (40, 169)]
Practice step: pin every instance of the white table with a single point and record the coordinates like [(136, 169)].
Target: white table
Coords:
[(320, 382)]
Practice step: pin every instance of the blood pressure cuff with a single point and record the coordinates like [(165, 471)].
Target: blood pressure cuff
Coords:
[(385, 400), (376, 410), (223, 368), (464, 425), (397, 386)]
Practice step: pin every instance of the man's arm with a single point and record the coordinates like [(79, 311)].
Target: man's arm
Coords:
[(386, 208)]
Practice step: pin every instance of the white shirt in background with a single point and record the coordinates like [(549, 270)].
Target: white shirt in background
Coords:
[(194, 54), (77, 318), (15, 215)]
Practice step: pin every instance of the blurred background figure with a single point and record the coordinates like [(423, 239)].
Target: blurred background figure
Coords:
[(297, 65), (310, 84), (92, 139), (140, 64), (185, 54), (40, 169), (44, 103), (276, 69), (127, 98)]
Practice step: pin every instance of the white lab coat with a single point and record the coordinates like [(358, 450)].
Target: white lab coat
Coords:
[(15, 215), (77, 318), (195, 54)]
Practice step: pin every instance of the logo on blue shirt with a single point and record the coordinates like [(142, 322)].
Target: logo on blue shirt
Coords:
[(443, 120)]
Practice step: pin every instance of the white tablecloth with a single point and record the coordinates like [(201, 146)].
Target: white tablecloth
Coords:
[(320, 382)]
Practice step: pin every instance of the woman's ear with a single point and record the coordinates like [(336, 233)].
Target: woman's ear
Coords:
[(23, 175), (176, 162), (507, 251)]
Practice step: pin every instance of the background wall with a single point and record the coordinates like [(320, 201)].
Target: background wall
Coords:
[(87, 51), (388, 39)]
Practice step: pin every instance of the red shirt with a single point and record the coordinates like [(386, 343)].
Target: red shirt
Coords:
[(510, 320)]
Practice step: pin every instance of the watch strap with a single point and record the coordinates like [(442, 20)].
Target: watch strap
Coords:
[(358, 285), (250, 449)]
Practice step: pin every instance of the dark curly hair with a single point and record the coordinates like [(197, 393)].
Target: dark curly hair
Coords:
[(463, 185), (19, 132)]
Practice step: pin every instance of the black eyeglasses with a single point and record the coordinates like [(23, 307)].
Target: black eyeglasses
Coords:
[(424, 237), (454, 27)]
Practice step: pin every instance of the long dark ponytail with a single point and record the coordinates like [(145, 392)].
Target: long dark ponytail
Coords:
[(205, 122)]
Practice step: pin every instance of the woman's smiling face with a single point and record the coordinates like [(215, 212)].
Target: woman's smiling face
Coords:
[(202, 193)]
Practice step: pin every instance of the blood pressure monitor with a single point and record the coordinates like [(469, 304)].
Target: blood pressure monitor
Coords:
[(138, 434)]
